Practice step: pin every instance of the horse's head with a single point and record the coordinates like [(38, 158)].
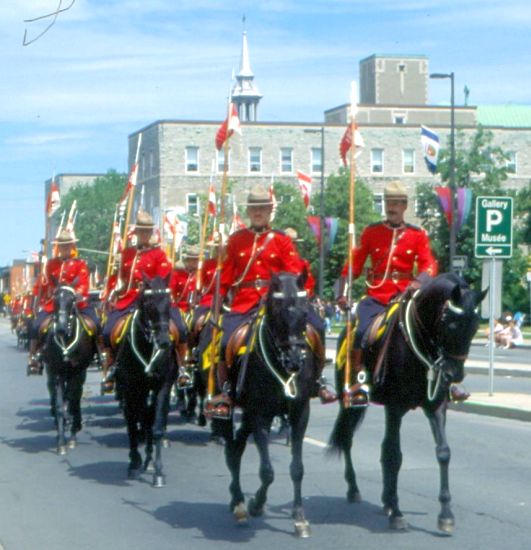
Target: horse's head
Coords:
[(287, 309), (155, 310), (64, 311), (455, 322)]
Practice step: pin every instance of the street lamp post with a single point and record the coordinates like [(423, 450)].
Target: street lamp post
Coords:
[(320, 282), (452, 184)]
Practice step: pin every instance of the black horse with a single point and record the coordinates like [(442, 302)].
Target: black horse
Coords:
[(423, 352), (275, 377), (68, 349), (146, 369)]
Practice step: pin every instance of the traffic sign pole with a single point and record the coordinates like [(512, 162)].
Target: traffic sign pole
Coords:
[(492, 343)]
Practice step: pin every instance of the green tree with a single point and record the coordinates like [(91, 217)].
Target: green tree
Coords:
[(96, 205), (481, 167)]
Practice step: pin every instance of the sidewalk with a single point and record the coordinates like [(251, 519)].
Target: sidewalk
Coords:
[(512, 405)]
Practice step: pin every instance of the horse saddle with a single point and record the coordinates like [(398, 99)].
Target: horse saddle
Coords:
[(120, 329), (237, 343), (88, 324), (45, 326)]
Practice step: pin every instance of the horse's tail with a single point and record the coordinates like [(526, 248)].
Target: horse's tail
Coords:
[(347, 422)]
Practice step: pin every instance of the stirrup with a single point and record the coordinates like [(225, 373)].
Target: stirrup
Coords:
[(219, 407), (35, 366), (356, 396), (325, 392), (185, 379)]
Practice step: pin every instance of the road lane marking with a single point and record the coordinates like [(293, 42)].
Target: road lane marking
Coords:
[(315, 442)]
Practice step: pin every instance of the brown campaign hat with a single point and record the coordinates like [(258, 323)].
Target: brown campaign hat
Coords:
[(191, 252), (259, 196), (144, 221), (395, 190), (65, 237)]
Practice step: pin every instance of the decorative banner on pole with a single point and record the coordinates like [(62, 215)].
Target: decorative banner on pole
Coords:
[(315, 225), (464, 206), (346, 143), (54, 200), (445, 198), (305, 186), (430, 145), (331, 226), (230, 125)]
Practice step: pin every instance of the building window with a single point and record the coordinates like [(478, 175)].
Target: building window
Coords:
[(317, 159), (378, 203), (510, 163), (221, 161), (192, 202), (255, 159), (377, 161), (399, 119), (151, 162), (192, 159), (408, 161), (286, 159)]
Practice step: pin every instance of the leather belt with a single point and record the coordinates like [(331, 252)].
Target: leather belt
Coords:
[(258, 283), (393, 275)]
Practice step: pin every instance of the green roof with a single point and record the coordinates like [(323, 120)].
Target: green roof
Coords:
[(509, 116)]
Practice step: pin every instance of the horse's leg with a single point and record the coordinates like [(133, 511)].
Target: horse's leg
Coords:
[(131, 415), (261, 430), (391, 460), (234, 448), (60, 413), (299, 417), (74, 394), (161, 410), (437, 419)]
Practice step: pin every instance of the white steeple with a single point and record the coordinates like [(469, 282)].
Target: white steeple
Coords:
[(245, 95)]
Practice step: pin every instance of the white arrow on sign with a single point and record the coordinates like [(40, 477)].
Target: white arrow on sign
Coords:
[(491, 251)]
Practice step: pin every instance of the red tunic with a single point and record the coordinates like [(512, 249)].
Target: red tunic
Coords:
[(208, 283), (250, 259), (182, 288), (412, 246), (70, 271), (137, 263)]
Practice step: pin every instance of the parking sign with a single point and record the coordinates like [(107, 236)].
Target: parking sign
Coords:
[(494, 227)]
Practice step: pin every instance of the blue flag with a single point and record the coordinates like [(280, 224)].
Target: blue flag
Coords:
[(430, 145)]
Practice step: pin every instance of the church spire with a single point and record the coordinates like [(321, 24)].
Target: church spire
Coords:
[(245, 95)]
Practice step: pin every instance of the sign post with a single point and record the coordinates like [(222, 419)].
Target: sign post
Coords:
[(493, 239)]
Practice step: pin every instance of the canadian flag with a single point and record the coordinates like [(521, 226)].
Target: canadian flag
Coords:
[(131, 182), (212, 210), (54, 200), (305, 185), (230, 125), (346, 143), (169, 224)]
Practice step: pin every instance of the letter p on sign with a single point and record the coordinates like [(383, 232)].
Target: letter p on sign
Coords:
[(494, 217)]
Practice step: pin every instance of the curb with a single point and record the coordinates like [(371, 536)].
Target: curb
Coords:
[(491, 410)]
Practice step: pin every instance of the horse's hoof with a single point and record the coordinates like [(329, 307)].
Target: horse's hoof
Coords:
[(158, 481), (72, 443), (446, 525), (302, 529), (134, 473), (201, 421), (397, 523), (387, 511), (165, 442), (354, 496), (149, 467), (61, 450), (240, 512), (254, 509)]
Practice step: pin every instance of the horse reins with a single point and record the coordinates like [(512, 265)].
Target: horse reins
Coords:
[(66, 349)]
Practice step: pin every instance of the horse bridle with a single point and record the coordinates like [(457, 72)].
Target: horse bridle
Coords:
[(410, 320), (156, 350), (67, 348)]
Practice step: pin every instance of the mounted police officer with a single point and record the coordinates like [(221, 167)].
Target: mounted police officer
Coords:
[(395, 248), (251, 256), (145, 259), (64, 268)]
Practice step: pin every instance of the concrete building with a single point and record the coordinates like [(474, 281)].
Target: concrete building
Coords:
[(177, 157)]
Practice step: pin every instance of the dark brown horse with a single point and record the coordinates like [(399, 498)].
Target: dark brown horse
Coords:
[(422, 354)]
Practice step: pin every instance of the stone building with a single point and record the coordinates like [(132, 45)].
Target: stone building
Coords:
[(178, 157)]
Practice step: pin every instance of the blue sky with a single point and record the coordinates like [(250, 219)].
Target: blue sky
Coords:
[(108, 67)]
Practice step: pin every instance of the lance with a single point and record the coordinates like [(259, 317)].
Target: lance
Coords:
[(351, 231), (112, 242), (216, 304), (131, 184), (202, 240)]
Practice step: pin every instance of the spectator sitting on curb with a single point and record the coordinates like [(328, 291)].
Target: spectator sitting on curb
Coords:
[(511, 336)]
